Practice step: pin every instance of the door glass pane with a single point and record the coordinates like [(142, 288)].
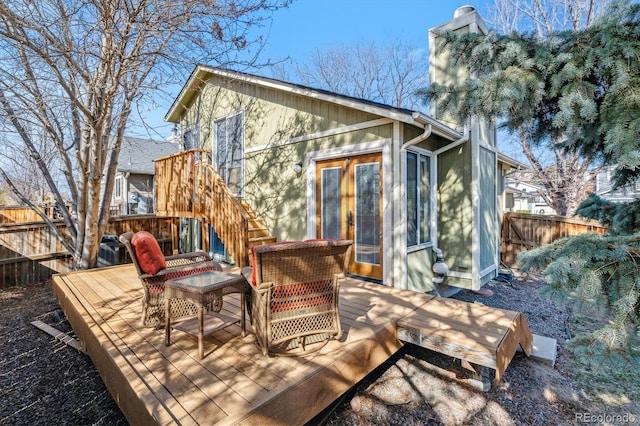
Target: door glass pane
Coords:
[(367, 213), (331, 203)]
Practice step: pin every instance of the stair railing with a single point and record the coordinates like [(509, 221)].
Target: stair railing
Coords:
[(188, 185)]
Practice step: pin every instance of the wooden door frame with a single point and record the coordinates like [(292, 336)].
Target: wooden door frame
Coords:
[(348, 193), (383, 147)]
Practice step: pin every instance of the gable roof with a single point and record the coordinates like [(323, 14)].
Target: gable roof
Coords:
[(137, 154), (198, 76)]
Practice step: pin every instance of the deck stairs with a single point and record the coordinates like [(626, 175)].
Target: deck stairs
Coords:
[(259, 234), (187, 185)]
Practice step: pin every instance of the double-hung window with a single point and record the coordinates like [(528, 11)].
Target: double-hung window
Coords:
[(228, 147), (418, 191)]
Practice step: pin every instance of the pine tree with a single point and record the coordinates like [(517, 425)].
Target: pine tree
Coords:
[(579, 89)]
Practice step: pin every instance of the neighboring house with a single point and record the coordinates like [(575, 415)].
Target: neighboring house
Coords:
[(316, 164), (134, 180), (604, 187), (525, 198)]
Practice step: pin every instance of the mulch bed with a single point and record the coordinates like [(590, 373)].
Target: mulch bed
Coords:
[(44, 381)]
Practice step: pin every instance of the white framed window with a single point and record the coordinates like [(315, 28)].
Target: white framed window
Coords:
[(117, 190), (228, 151), (418, 190)]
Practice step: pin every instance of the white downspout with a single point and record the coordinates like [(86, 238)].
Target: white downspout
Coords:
[(425, 135), (400, 269)]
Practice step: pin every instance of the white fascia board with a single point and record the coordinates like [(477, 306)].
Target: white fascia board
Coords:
[(439, 128), (173, 115), (502, 158)]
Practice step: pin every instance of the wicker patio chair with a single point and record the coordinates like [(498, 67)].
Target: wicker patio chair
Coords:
[(176, 266), (294, 294)]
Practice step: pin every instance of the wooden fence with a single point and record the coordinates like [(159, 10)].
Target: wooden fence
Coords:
[(30, 252), (522, 231), (19, 214)]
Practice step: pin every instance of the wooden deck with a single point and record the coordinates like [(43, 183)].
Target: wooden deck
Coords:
[(234, 383), (472, 332)]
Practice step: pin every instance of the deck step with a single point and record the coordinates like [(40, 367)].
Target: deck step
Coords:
[(249, 210), (545, 350), (255, 222), (474, 333), (261, 240), (258, 232)]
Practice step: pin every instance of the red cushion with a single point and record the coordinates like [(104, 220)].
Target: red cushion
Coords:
[(148, 252), (299, 297), (253, 266)]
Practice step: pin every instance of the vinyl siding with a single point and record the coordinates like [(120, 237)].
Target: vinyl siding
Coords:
[(489, 230), (272, 117), (455, 212)]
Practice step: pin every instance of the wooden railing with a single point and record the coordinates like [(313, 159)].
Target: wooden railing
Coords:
[(522, 231), (188, 186)]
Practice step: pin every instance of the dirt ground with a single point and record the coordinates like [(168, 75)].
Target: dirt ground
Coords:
[(43, 381)]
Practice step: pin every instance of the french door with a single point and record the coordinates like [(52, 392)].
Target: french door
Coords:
[(348, 205)]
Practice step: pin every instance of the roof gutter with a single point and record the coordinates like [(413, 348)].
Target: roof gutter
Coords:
[(423, 136), (444, 131), (459, 141), (439, 128)]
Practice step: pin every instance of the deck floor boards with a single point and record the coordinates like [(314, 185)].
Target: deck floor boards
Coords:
[(235, 383)]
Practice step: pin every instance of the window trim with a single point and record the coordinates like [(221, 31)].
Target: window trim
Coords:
[(214, 144), (429, 159)]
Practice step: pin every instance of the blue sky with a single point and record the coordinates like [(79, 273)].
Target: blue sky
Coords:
[(307, 25)]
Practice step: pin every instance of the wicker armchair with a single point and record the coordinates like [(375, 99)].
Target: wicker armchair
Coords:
[(181, 265), (294, 294)]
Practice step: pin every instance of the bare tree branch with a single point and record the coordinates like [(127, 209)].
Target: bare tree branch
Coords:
[(74, 69), (564, 180), (390, 75)]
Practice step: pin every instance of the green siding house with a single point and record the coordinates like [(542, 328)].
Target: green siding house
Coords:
[(315, 164)]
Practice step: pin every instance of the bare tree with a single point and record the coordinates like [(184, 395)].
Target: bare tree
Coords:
[(563, 174), (20, 166), (72, 71), (389, 75), (544, 17)]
